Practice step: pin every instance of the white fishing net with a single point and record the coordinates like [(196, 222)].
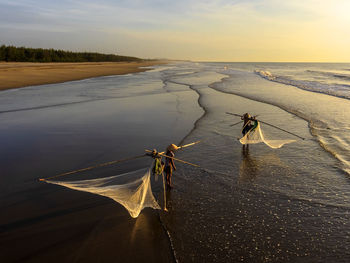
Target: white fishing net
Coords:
[(132, 190), (256, 136)]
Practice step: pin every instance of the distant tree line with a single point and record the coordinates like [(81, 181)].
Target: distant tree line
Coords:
[(23, 54)]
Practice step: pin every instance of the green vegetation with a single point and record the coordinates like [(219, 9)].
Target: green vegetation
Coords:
[(23, 54)]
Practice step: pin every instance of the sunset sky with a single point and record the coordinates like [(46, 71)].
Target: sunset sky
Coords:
[(221, 30)]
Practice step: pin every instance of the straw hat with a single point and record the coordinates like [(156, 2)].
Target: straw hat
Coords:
[(247, 115), (172, 147)]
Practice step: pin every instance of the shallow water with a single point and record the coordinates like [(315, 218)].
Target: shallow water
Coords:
[(327, 115), (256, 205), (285, 205), (52, 129)]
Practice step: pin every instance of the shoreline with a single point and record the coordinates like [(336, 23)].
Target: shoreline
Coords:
[(43, 222), (23, 74)]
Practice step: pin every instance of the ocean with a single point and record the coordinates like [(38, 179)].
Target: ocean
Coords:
[(265, 205), (253, 204)]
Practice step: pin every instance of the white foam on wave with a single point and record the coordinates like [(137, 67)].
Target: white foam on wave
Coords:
[(265, 74), (337, 90)]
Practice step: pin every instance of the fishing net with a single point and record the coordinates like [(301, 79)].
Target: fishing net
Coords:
[(256, 135), (132, 190)]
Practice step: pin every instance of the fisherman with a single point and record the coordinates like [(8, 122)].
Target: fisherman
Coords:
[(247, 124), (169, 164)]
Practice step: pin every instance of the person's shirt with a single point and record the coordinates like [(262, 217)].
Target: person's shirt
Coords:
[(168, 161), (246, 117)]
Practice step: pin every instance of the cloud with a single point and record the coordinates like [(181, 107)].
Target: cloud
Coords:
[(190, 27)]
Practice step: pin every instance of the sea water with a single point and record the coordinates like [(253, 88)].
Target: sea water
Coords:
[(253, 204), (48, 130), (260, 204)]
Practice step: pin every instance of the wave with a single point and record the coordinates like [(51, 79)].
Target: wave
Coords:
[(265, 74), (330, 74), (336, 90)]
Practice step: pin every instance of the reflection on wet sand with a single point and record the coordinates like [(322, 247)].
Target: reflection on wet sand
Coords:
[(248, 168), (140, 223), (252, 167), (168, 199)]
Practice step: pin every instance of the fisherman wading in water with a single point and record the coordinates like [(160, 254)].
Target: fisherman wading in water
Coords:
[(247, 125), (169, 164)]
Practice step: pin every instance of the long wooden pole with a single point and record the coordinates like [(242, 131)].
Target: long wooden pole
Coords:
[(176, 159), (184, 146), (187, 145), (236, 123), (93, 167), (283, 130), (234, 114), (119, 161)]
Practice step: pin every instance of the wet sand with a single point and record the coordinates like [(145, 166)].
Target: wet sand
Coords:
[(48, 223), (79, 227), (23, 74), (255, 204)]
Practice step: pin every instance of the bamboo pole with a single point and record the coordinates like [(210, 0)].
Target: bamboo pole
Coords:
[(283, 130), (119, 161), (184, 146), (176, 159), (234, 114), (93, 167), (236, 123)]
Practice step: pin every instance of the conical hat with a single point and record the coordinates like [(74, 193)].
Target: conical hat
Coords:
[(247, 115), (172, 147)]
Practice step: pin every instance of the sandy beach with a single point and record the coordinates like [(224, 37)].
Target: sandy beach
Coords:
[(93, 94), (254, 204), (65, 130), (23, 74)]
